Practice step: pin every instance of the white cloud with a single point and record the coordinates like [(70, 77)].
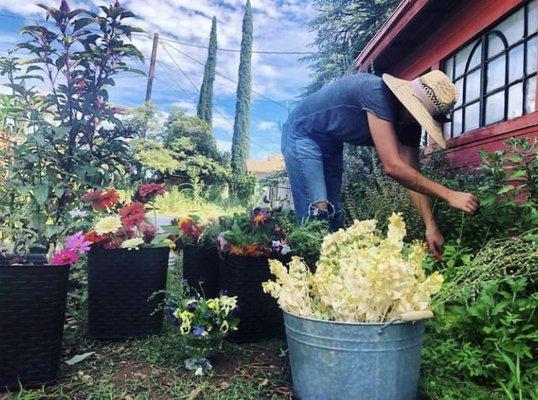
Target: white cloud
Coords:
[(267, 126), (189, 106), (224, 145)]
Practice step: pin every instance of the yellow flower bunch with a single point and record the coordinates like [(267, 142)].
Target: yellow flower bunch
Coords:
[(360, 277), (186, 320)]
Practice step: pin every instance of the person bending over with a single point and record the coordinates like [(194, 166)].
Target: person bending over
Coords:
[(366, 110)]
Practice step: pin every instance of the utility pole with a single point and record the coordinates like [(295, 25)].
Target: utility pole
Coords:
[(152, 67)]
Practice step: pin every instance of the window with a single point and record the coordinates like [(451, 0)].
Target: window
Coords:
[(496, 73)]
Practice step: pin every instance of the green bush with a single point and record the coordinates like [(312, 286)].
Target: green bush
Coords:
[(181, 203)]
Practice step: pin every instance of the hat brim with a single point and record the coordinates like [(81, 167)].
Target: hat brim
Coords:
[(403, 90)]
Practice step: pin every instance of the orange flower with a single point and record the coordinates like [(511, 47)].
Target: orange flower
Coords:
[(109, 198)]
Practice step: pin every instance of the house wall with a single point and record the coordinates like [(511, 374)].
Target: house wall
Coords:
[(464, 22)]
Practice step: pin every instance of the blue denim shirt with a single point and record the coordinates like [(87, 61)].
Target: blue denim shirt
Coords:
[(339, 109)]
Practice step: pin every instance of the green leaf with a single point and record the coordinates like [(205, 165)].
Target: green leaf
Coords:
[(41, 193), (518, 174), (82, 22), (505, 189)]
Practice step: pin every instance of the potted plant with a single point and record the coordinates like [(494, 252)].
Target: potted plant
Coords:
[(32, 313), (203, 324), (127, 263), (245, 249), (200, 256), (354, 327)]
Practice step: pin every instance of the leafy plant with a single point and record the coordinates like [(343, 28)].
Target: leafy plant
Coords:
[(73, 138)]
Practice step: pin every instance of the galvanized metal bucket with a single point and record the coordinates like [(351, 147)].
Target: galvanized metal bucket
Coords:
[(354, 361)]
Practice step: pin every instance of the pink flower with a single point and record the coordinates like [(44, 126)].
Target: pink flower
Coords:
[(132, 215), (65, 257), (149, 191), (78, 243)]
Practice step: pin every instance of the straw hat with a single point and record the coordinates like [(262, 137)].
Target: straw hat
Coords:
[(428, 98)]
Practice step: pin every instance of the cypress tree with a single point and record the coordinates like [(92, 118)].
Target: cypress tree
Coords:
[(205, 102), (240, 143)]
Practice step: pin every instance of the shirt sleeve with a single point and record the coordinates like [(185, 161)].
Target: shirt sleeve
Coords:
[(380, 101)]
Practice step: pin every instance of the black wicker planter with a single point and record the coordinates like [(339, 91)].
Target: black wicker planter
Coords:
[(201, 270), (32, 314), (260, 316), (120, 282)]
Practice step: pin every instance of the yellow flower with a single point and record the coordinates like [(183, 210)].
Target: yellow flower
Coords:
[(361, 276), (224, 327), (213, 304), (108, 225), (132, 244), (169, 243)]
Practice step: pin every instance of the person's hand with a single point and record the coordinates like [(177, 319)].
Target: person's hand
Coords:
[(463, 201), (435, 241)]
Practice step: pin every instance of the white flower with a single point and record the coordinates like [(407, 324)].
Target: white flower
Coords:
[(285, 249), (360, 277), (78, 214), (108, 225), (132, 244)]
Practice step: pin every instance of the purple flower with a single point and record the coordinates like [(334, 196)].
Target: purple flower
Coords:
[(191, 305), (78, 243), (198, 330), (64, 7), (222, 243)]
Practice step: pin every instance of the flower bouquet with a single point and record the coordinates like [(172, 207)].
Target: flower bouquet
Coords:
[(127, 263), (203, 324), (200, 257), (362, 307), (245, 248)]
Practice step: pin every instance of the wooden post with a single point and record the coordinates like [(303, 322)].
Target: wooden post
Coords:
[(152, 67)]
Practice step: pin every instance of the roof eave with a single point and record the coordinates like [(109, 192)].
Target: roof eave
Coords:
[(398, 20)]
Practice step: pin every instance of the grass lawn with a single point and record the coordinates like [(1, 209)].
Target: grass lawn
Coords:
[(153, 368)]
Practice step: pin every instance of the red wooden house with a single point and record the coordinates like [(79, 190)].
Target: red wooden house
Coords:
[(489, 49)]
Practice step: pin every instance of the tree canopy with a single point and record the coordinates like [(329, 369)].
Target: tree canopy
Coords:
[(343, 28)]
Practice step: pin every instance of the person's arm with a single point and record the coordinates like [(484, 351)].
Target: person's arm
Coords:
[(387, 146), (422, 202)]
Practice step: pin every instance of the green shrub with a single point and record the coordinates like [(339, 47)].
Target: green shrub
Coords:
[(180, 203)]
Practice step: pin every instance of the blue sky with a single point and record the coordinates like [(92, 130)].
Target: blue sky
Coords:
[(279, 25)]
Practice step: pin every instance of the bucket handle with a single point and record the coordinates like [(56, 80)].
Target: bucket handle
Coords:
[(411, 316)]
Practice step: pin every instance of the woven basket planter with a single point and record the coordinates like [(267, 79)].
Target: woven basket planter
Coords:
[(260, 316), (32, 314), (120, 283), (201, 270)]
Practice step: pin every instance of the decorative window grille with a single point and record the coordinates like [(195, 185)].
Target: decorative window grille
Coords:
[(496, 73)]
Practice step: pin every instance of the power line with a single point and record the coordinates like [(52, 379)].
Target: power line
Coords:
[(216, 110), (201, 46), (224, 76), (181, 69)]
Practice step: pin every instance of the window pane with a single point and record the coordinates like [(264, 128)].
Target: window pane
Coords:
[(530, 95), (496, 70), (456, 121), (472, 117), (515, 63), (495, 45), (461, 58), (533, 17), (515, 101), (459, 85), (512, 27), (472, 89), (532, 55), (448, 68), (495, 108), (446, 130), (477, 55)]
